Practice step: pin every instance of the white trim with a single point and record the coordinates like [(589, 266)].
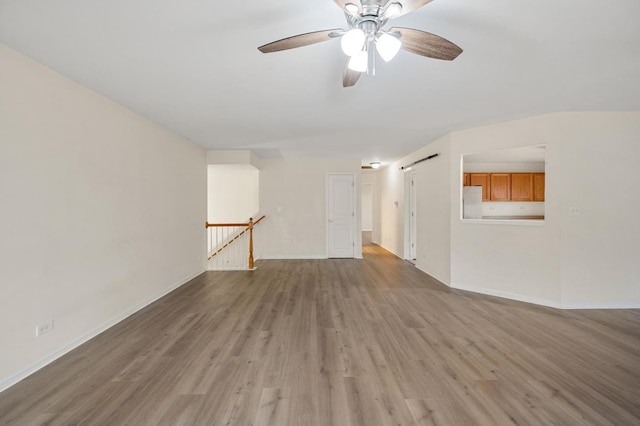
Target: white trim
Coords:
[(511, 296), (293, 256), (601, 305), (550, 303), (510, 222), (432, 275), (231, 268), (391, 251), (7, 382)]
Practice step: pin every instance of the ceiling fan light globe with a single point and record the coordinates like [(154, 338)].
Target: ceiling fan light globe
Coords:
[(392, 10), (353, 41), (352, 9), (387, 46), (359, 62)]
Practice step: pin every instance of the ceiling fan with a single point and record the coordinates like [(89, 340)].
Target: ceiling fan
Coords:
[(366, 20)]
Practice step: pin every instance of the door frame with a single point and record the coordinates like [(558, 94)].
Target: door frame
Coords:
[(357, 222)]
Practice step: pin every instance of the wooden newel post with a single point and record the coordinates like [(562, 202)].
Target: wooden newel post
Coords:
[(250, 243)]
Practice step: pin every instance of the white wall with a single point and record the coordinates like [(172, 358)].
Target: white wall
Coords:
[(433, 248), (432, 193), (432, 207), (516, 261), (503, 167), (392, 208), (367, 207), (293, 198), (575, 261), (102, 212), (231, 157), (232, 193), (598, 156)]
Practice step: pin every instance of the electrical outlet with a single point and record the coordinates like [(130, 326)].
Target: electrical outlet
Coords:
[(574, 211), (44, 328)]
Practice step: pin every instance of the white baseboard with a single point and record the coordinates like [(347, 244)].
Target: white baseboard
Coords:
[(24, 373), (511, 296), (600, 305), (293, 256), (230, 268), (391, 251), (300, 257), (433, 276), (549, 303)]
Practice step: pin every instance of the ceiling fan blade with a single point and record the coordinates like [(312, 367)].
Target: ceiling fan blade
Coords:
[(300, 40), (427, 44), (349, 76), (410, 5)]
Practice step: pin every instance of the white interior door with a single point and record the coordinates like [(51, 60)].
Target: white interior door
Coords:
[(340, 215)]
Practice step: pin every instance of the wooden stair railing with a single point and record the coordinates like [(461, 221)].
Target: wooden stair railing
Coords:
[(247, 227)]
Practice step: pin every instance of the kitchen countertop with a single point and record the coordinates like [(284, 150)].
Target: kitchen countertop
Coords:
[(513, 217)]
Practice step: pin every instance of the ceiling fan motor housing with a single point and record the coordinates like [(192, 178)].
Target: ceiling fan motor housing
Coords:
[(369, 26)]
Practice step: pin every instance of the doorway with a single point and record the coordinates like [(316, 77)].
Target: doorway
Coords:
[(366, 204)]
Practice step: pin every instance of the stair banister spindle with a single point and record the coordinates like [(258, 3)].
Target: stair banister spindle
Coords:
[(250, 243)]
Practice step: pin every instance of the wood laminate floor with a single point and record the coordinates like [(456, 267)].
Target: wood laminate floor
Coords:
[(341, 342)]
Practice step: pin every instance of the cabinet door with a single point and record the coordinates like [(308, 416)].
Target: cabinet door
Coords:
[(521, 186), (481, 179), (500, 185), (538, 187)]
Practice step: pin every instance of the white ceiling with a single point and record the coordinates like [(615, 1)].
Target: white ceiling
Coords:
[(193, 66)]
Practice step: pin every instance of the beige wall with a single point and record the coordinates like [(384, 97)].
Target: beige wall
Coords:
[(293, 197), (432, 206), (102, 212), (598, 156), (392, 209), (232, 192), (570, 261), (516, 261)]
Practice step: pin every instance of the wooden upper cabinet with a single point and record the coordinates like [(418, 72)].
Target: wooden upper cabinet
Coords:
[(507, 186), (500, 186), (521, 186), (481, 179), (538, 187)]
